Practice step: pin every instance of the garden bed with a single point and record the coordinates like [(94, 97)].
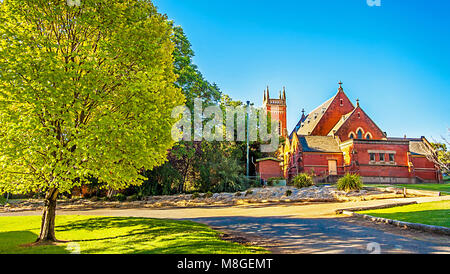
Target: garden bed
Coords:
[(285, 194)]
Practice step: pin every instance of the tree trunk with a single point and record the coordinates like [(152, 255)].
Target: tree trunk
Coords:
[(48, 217)]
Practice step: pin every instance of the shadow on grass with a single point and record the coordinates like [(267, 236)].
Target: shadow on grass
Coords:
[(143, 235), (13, 242)]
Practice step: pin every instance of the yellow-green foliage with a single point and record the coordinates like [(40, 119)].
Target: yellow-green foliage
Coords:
[(85, 91), (303, 180), (350, 182)]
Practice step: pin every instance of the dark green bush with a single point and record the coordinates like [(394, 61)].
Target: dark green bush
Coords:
[(195, 195), (288, 192), (271, 181), (120, 197), (208, 194), (350, 182), (303, 180), (249, 192)]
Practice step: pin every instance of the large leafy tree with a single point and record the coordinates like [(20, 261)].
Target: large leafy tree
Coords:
[(185, 155), (85, 91)]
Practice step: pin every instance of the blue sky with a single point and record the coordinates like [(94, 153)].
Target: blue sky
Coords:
[(395, 58)]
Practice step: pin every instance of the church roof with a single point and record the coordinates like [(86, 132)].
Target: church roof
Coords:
[(313, 118), (318, 144), (341, 122), (297, 127), (418, 147)]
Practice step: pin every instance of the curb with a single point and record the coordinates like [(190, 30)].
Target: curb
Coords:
[(341, 211), (422, 227)]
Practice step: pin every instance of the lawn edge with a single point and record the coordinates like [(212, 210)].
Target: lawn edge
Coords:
[(422, 227)]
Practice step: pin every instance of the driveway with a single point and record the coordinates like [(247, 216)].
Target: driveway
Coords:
[(284, 234), (291, 228)]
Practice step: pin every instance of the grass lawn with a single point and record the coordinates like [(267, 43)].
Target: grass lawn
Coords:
[(444, 188), (434, 213), (113, 235)]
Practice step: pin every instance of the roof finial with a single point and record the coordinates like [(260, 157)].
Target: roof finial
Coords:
[(357, 102), (303, 111), (340, 85)]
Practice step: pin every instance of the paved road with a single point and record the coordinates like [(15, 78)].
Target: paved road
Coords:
[(328, 235), (297, 228)]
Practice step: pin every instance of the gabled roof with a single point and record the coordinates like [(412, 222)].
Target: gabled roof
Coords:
[(420, 147), (345, 118), (268, 159), (297, 127), (313, 118), (341, 122), (324, 117), (319, 144)]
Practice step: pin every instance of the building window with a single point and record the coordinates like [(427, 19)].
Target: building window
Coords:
[(372, 157), (391, 157), (352, 136), (342, 102), (381, 157), (360, 134)]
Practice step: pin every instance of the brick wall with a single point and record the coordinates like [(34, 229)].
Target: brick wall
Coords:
[(269, 169), (359, 120), (333, 114)]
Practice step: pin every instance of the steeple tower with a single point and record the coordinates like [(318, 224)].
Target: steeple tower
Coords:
[(277, 109)]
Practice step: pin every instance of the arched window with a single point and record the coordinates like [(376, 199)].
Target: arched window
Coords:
[(352, 136), (368, 136), (360, 134)]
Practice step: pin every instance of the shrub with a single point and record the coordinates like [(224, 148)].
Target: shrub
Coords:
[(249, 192), (350, 182), (238, 194), (271, 181), (120, 197), (288, 192), (303, 180), (208, 194), (195, 195)]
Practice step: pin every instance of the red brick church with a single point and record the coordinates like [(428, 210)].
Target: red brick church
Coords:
[(337, 138)]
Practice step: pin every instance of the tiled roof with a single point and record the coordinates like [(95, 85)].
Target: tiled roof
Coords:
[(297, 127), (268, 158), (319, 144), (418, 147), (314, 117)]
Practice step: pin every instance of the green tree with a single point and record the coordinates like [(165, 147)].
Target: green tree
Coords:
[(441, 155), (85, 91)]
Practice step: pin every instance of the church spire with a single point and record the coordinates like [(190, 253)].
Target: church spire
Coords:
[(284, 93)]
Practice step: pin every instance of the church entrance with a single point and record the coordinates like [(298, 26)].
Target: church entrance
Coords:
[(332, 167)]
